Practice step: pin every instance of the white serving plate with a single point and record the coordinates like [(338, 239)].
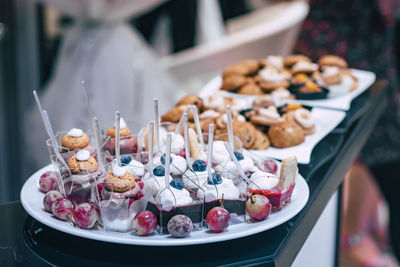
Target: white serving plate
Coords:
[(342, 102), (32, 198), (325, 121)]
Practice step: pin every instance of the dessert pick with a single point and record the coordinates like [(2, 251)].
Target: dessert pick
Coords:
[(229, 124), (157, 124), (168, 161), (117, 137), (238, 166), (151, 149), (98, 144), (186, 137), (64, 171), (181, 120), (86, 95), (210, 150), (197, 124)]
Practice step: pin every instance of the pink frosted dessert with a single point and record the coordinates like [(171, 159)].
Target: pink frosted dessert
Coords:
[(277, 190)]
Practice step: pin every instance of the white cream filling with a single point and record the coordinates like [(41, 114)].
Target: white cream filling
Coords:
[(75, 132), (304, 118), (83, 155), (213, 192), (171, 198)]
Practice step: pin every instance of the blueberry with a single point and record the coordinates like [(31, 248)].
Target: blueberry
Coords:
[(163, 159), (216, 179), (159, 171), (177, 184), (239, 156), (125, 160), (199, 165)]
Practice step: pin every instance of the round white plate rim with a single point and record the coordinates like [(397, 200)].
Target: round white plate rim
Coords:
[(43, 217)]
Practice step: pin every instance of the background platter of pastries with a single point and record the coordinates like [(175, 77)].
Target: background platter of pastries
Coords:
[(258, 127), (292, 77)]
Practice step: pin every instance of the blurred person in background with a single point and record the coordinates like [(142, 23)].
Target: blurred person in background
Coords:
[(363, 32)]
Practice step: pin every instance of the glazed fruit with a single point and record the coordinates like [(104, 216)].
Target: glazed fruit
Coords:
[(258, 207), (180, 226), (216, 179), (177, 184), (49, 198), (144, 223), (85, 216), (62, 209), (162, 159), (159, 171), (125, 160), (218, 219), (199, 165), (48, 181)]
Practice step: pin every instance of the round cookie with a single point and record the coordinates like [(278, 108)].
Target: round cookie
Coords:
[(244, 68), (332, 60), (233, 82), (290, 117), (262, 142), (293, 59), (285, 134), (120, 184), (246, 132), (250, 89), (191, 100), (73, 143), (86, 166), (263, 101)]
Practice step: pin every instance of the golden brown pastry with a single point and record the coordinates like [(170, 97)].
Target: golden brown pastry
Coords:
[(285, 134)]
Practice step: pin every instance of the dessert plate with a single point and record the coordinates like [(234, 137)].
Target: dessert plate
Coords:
[(32, 198), (325, 121), (342, 102)]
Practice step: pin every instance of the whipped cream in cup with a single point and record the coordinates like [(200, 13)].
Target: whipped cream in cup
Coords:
[(135, 167), (154, 184), (75, 132), (213, 192), (172, 198), (178, 164), (192, 180), (177, 141), (118, 171), (229, 170), (263, 180)]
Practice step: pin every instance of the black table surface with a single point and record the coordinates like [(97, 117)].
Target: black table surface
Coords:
[(24, 241)]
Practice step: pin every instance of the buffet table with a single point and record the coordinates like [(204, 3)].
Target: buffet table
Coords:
[(24, 241)]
